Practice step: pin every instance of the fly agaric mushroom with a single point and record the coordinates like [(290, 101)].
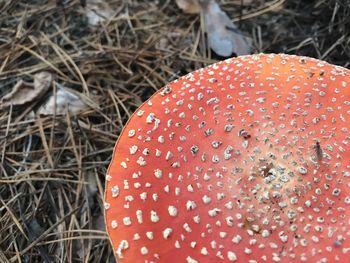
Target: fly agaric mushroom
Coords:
[(245, 160)]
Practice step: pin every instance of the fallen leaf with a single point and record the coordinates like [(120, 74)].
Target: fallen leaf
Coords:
[(24, 92), (61, 102), (223, 36), (189, 6), (98, 11)]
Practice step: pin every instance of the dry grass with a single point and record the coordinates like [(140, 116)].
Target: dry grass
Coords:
[(52, 168)]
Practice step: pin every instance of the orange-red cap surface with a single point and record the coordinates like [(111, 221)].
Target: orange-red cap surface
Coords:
[(246, 160)]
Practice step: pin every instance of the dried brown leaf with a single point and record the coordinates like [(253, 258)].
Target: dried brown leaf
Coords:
[(189, 6), (223, 36), (61, 102), (24, 92)]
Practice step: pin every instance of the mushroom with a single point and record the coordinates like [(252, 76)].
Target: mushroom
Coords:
[(245, 160)]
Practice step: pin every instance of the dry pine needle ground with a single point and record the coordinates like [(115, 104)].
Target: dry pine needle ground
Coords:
[(52, 168)]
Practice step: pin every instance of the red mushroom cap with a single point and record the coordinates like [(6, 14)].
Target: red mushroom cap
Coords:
[(245, 160)]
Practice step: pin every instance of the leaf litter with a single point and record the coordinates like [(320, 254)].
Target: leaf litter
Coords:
[(224, 38), (24, 92), (223, 35), (61, 102)]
